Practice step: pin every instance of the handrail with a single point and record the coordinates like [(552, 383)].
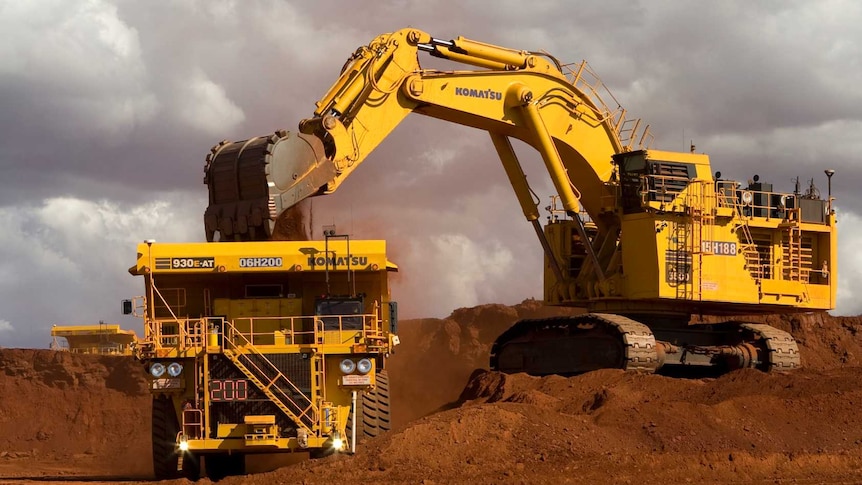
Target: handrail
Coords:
[(583, 78), (291, 328), (191, 332)]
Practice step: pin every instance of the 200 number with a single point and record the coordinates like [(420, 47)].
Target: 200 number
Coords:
[(228, 390)]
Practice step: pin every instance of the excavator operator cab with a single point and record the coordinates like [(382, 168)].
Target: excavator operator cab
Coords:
[(650, 176), (343, 306)]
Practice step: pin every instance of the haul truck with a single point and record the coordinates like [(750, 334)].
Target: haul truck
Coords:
[(263, 347)]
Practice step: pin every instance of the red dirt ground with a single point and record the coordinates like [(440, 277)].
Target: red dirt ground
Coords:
[(65, 416)]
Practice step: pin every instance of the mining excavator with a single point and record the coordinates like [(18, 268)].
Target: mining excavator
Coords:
[(643, 239)]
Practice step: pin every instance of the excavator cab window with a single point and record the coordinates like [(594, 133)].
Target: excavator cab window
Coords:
[(668, 179), (644, 180), (340, 307)]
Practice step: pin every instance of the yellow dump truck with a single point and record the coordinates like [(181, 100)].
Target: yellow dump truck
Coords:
[(103, 338), (263, 347)]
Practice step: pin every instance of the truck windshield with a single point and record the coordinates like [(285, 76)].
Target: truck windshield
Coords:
[(342, 307)]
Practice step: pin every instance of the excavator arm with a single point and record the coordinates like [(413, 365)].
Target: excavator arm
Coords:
[(514, 94)]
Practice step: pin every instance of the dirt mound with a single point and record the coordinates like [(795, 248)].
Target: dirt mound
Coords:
[(457, 422), (607, 426), (57, 407), (825, 341), (612, 426), (433, 363), (437, 356)]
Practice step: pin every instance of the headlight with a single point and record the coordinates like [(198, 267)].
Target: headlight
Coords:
[(347, 366), (364, 366), (174, 369), (157, 370)]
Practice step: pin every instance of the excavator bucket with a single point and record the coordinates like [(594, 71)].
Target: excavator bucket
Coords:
[(252, 182)]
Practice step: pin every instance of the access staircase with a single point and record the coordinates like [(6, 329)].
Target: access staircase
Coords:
[(280, 390)]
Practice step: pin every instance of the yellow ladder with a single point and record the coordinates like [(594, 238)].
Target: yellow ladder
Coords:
[(749, 251), (793, 257), (681, 251), (697, 228)]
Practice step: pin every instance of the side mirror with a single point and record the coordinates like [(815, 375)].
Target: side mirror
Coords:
[(127, 307), (393, 317)]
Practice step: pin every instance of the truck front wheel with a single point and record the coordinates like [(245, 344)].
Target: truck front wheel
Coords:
[(164, 433)]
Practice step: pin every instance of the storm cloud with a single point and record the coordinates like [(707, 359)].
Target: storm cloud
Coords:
[(108, 108)]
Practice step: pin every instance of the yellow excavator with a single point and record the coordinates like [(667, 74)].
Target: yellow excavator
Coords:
[(643, 239)]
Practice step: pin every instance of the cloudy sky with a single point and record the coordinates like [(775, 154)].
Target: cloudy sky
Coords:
[(108, 108)]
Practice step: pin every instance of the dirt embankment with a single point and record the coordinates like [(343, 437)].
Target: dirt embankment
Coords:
[(437, 356), (61, 413), (58, 409), (608, 426)]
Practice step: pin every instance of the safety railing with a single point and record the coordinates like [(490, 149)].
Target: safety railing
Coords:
[(193, 423), (177, 333), (320, 329), (99, 350), (728, 194), (756, 203), (194, 334), (628, 130)]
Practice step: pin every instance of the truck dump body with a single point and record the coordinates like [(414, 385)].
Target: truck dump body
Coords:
[(248, 352), (93, 339)]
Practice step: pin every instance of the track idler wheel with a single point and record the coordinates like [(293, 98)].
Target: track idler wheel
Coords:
[(777, 350)]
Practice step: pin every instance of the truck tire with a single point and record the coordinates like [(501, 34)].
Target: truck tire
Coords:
[(164, 434), (373, 409)]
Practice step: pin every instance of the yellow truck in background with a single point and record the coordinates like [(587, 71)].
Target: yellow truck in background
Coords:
[(103, 339), (263, 347)]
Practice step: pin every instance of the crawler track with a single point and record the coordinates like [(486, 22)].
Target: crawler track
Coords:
[(573, 345)]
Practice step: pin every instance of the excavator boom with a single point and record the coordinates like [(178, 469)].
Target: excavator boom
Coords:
[(517, 94)]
